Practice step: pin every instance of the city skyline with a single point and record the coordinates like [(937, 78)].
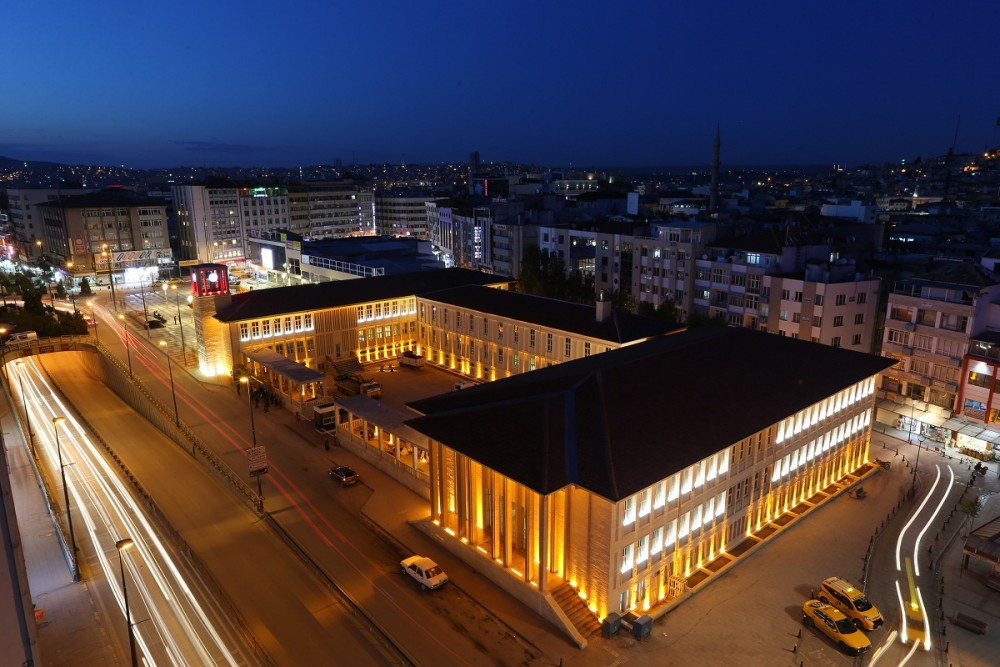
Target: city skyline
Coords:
[(258, 85)]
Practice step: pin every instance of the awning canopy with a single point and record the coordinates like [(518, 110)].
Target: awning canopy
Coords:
[(972, 429), (285, 367), (984, 542), (385, 417)]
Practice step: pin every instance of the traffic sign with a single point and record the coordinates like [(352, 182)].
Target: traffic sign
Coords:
[(257, 457)]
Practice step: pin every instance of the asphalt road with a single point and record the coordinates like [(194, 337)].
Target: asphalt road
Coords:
[(294, 617)]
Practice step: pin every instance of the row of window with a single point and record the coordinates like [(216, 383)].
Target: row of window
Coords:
[(681, 483), (651, 545), (826, 408), (377, 311), (946, 346), (275, 326), (795, 460)]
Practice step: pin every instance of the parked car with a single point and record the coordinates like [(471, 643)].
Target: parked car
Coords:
[(836, 626), (850, 600), (154, 324), (424, 571), (346, 476)]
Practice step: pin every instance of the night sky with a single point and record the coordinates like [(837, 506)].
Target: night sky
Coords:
[(581, 84)]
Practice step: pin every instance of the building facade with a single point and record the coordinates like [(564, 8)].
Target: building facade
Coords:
[(111, 230), (573, 480)]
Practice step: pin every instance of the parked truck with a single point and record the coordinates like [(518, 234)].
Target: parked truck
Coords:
[(353, 385), (411, 359)]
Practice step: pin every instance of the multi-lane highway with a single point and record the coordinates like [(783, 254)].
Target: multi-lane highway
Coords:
[(174, 619)]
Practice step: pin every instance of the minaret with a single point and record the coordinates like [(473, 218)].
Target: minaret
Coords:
[(713, 199)]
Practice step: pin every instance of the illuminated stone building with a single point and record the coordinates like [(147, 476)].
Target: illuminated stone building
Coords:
[(491, 334), (319, 325), (630, 477)]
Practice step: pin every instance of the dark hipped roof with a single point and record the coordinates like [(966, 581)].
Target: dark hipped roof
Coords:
[(617, 422), (620, 327), (298, 298)]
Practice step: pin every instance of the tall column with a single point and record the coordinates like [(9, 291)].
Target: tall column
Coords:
[(436, 500), (543, 544)]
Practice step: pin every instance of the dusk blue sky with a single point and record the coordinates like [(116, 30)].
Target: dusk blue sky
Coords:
[(585, 83)]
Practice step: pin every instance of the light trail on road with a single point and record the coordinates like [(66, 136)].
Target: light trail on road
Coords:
[(151, 358), (179, 629), (911, 608)]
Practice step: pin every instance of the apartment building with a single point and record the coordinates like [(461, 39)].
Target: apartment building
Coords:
[(112, 229), (402, 214), (930, 327), (263, 209), (665, 263), (26, 223), (331, 209), (567, 479), (210, 223)]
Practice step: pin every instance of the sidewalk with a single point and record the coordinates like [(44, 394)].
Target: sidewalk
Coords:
[(70, 628)]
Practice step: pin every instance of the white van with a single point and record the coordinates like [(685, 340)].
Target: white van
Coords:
[(464, 385), (21, 336)]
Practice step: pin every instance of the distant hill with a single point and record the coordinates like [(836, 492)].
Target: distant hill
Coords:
[(11, 163)]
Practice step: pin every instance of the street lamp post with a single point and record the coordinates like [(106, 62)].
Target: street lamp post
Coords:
[(128, 352), (124, 545), (145, 313), (56, 421), (253, 432), (93, 316), (173, 392), (24, 402), (177, 302), (105, 251), (3, 351)]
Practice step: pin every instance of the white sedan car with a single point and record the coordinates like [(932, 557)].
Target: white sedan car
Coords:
[(425, 571)]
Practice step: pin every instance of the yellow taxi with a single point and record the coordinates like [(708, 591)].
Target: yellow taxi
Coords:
[(850, 600), (840, 629)]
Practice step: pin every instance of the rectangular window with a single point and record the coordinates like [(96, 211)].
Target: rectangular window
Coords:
[(244, 331), (548, 342), (627, 559), (307, 320), (644, 501), (629, 515), (841, 299), (657, 545), (276, 323), (255, 329), (859, 318), (298, 323), (661, 495), (288, 325), (568, 346), (266, 328), (586, 349), (643, 554), (838, 320)]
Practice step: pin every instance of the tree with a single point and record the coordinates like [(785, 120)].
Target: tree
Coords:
[(971, 508), (85, 287), (61, 290)]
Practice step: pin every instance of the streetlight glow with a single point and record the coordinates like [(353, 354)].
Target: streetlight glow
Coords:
[(124, 545)]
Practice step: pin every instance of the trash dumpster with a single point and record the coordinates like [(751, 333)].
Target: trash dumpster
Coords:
[(611, 624), (642, 626)]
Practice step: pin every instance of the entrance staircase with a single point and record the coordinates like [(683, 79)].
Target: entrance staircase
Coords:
[(576, 610)]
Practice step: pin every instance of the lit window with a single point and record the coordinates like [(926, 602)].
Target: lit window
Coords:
[(627, 559), (629, 511), (644, 502)]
